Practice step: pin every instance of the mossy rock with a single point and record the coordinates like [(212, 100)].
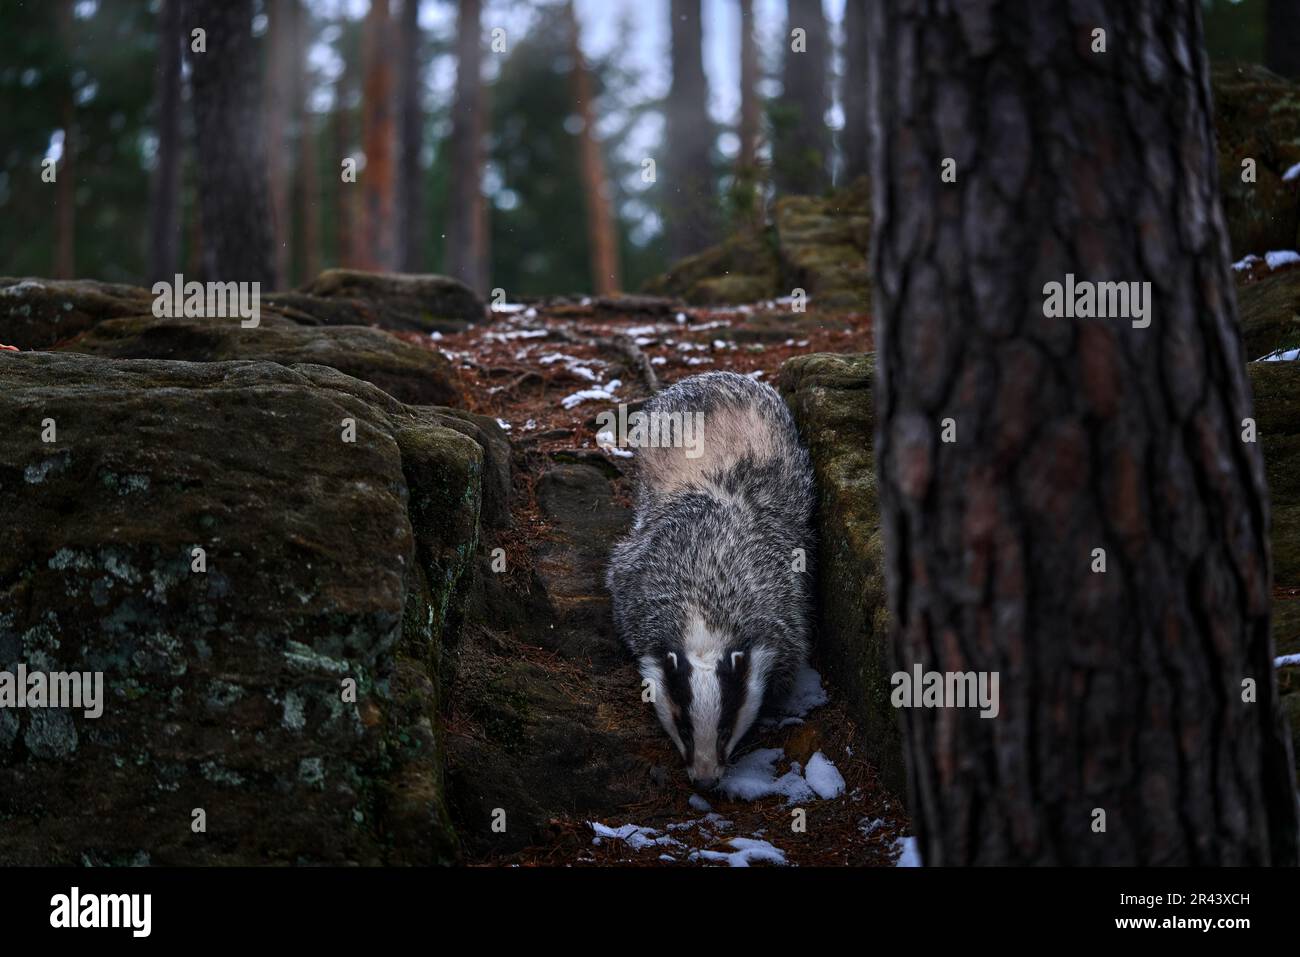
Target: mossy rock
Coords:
[(37, 313), (830, 398), (1276, 386), (400, 301), (1270, 313), (324, 560), (1257, 116), (744, 268)]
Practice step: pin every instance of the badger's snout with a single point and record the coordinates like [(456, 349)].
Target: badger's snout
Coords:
[(704, 772)]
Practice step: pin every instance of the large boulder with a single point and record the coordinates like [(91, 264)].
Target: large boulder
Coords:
[(37, 313), (409, 373), (1257, 116), (1270, 313), (400, 301), (325, 562), (830, 397), (743, 268)]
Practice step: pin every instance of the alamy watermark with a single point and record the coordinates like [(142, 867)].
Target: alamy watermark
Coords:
[(1083, 299), (946, 689), (684, 430), (214, 300), (55, 689)]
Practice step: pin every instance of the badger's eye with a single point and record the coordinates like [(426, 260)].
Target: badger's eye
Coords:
[(672, 659)]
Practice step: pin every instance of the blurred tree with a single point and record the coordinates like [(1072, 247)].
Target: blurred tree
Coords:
[(801, 139), (410, 80), (467, 221), (602, 240), (229, 145), (347, 194), (306, 199), (686, 176), (164, 195), (1282, 50), (282, 69), (65, 265), (1070, 504), (746, 193), (379, 134), (855, 89)]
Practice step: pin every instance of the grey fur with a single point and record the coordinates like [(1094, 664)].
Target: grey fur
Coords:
[(717, 535)]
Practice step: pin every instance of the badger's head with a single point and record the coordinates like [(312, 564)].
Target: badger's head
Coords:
[(708, 691)]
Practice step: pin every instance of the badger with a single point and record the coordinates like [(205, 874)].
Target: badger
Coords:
[(711, 586)]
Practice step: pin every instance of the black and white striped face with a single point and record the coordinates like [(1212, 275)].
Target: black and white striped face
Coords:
[(708, 695)]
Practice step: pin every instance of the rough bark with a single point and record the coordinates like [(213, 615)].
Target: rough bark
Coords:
[(748, 195), (378, 136), (1282, 39), (65, 184), (686, 174), (410, 230), (602, 238), (854, 96), (347, 204), (1120, 691), (164, 198), (467, 232), (230, 150), (801, 139)]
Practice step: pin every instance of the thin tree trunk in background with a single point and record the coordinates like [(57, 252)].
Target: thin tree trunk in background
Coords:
[(379, 135), (307, 182), (281, 67), (747, 179), (602, 239), (65, 183), (855, 89), (687, 168), (801, 140), (410, 205), (230, 152), (467, 233), (1282, 39), (345, 193), (164, 199), (1120, 691)]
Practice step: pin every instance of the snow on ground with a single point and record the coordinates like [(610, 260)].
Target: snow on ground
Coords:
[(909, 854), (748, 850), (633, 835), (754, 776), (1274, 259), (823, 777), (1289, 355), (698, 803), (1283, 660), (1292, 173), (806, 694), (606, 391)]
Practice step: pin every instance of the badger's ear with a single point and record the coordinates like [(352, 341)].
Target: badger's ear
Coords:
[(734, 656), (672, 656)]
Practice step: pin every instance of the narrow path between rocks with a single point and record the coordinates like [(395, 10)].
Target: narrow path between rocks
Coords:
[(547, 737)]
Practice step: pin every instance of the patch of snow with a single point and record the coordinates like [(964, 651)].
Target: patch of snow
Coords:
[(633, 835), (1291, 174), (698, 803), (620, 453), (644, 340), (909, 855), (1243, 264), (681, 318), (747, 851), (658, 361), (530, 425), (756, 374), (1281, 257), (509, 307), (435, 335), (635, 331), (1290, 355), (606, 391), (504, 424), (699, 361), (1283, 660), (754, 777), (868, 826), (823, 777), (806, 694)]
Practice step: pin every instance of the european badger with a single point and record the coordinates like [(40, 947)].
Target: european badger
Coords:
[(711, 586)]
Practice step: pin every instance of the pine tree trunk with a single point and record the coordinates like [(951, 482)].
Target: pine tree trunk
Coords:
[(467, 232), (410, 203), (801, 147), (1282, 39), (1120, 691), (379, 134), (602, 239), (65, 264), (307, 182), (164, 199), (230, 151), (281, 66), (855, 89), (686, 177), (748, 195), (345, 193)]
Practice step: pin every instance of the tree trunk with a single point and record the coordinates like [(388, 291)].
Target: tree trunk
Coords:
[(602, 238), (1282, 43), (748, 195), (855, 89), (307, 182), (345, 193), (164, 200), (801, 147), (229, 148), (65, 264), (379, 133), (409, 80), (467, 232), (687, 176), (1120, 690), (281, 67)]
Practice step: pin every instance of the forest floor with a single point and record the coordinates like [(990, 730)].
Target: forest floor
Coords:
[(544, 371)]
